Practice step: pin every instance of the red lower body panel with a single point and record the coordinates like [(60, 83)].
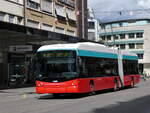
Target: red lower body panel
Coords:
[(83, 85)]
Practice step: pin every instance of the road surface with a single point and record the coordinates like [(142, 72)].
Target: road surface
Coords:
[(130, 100)]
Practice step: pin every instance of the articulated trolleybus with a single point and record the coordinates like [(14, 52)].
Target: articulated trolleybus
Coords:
[(83, 67)]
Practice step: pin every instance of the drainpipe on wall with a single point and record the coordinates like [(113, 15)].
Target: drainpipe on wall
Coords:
[(24, 12)]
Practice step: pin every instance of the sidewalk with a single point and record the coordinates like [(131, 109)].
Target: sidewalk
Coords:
[(18, 91), (3, 87), (11, 87)]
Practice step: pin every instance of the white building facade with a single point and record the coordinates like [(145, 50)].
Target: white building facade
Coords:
[(12, 11), (130, 35), (93, 27), (50, 15)]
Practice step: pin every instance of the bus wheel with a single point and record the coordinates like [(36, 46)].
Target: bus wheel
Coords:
[(92, 89), (132, 83), (116, 86)]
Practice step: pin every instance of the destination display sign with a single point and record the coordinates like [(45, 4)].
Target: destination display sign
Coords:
[(60, 54)]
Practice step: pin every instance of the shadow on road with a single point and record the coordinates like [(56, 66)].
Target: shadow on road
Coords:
[(140, 105), (63, 96)]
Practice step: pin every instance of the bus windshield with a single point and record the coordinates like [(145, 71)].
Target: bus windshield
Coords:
[(55, 66)]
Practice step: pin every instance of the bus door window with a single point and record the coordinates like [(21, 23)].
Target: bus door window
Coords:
[(82, 67), (110, 67)]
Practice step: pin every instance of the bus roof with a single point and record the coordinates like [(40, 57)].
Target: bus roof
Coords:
[(76, 46), (89, 46)]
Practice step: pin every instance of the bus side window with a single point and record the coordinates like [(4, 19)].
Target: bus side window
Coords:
[(110, 67)]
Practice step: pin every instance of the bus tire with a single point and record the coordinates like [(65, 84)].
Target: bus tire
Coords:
[(92, 88), (132, 83), (116, 86)]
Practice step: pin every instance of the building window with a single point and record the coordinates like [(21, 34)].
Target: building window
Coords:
[(71, 14), (91, 25), (102, 26), (115, 25), (131, 35), (139, 35), (110, 46), (60, 11), (11, 18), (33, 4), (140, 56), (103, 37), (143, 22), (59, 30), (122, 46), (2, 15), (47, 27), (117, 45), (68, 2), (70, 32), (131, 46), (120, 24), (125, 24), (122, 36), (46, 6), (108, 37), (108, 26), (139, 46), (18, 1), (115, 37), (91, 36), (32, 23)]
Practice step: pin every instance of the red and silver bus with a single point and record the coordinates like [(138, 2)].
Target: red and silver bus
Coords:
[(83, 67)]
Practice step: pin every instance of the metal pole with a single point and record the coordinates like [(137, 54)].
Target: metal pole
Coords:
[(83, 21), (24, 5), (112, 36)]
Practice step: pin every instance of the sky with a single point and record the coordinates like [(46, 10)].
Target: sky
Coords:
[(112, 10)]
